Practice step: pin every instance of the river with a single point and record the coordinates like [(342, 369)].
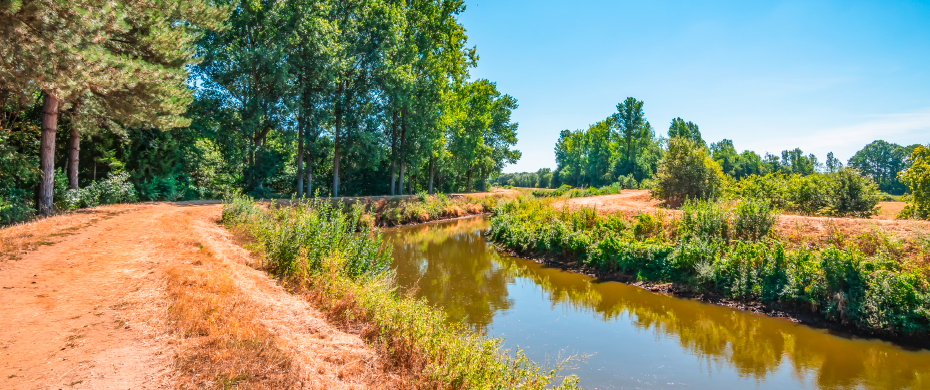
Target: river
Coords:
[(636, 339)]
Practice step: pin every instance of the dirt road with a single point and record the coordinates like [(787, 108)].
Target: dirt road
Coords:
[(86, 303)]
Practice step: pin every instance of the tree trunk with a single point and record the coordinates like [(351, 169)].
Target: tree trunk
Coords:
[(300, 156), (336, 155), (74, 152), (47, 153), (468, 181), (431, 175), (401, 186), (403, 148), (309, 181), (393, 152)]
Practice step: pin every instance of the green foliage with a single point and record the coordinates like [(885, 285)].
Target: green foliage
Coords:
[(753, 219), (702, 220), (114, 189), (843, 283), (426, 208), (883, 161), (687, 172), (342, 259), (681, 129), (917, 180), (841, 193)]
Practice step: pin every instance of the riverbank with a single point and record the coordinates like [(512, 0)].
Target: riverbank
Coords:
[(336, 260), (873, 294)]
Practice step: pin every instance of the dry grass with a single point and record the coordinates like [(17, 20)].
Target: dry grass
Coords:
[(225, 344)]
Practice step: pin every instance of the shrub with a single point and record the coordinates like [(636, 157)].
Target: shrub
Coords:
[(115, 188), (841, 193), (866, 291), (703, 220), (687, 172), (917, 180), (852, 194), (754, 219)]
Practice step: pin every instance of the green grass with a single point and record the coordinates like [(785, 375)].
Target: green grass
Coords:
[(337, 257), (857, 282)]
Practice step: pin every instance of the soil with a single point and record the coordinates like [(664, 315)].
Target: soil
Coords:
[(84, 305)]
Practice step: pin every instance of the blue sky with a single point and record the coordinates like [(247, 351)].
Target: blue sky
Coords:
[(770, 75)]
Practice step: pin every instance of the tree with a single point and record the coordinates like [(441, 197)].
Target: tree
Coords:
[(724, 153), (882, 161), (833, 164), (630, 121), (917, 179), (687, 172), (681, 129), (128, 57)]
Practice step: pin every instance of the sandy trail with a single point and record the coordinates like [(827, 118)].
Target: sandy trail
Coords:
[(632, 202), (87, 307)]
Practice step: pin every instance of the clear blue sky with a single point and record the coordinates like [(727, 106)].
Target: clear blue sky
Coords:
[(770, 75)]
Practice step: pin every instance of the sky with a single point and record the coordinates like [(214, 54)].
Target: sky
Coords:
[(769, 75)]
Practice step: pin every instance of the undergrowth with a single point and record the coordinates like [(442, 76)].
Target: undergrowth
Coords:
[(858, 281), (337, 257), (426, 208)]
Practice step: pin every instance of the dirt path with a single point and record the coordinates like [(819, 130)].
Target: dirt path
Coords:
[(632, 202), (88, 308)]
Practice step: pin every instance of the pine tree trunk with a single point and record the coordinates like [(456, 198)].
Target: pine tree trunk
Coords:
[(74, 153), (47, 153), (300, 156)]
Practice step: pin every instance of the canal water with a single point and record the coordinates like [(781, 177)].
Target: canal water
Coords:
[(636, 339)]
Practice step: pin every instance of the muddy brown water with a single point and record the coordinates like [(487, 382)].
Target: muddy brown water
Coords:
[(637, 339)]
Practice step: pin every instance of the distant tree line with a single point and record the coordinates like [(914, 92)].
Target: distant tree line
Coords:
[(624, 148), (267, 97)]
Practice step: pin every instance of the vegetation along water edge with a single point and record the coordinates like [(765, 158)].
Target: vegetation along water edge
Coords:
[(727, 252), (337, 259)]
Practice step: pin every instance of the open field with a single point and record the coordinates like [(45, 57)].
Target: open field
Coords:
[(794, 227), (159, 296)]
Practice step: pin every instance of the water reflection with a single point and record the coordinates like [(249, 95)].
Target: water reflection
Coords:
[(453, 267)]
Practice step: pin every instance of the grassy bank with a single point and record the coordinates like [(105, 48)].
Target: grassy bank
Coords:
[(337, 259), (877, 285), (425, 208)]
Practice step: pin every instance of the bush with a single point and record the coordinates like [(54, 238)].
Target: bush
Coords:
[(702, 220), (842, 193), (852, 194), (846, 285), (115, 188), (687, 172), (917, 180), (754, 219)]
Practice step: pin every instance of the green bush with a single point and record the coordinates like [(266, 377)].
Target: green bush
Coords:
[(115, 188), (847, 285), (702, 220), (753, 219), (917, 180), (687, 172), (342, 259), (842, 193)]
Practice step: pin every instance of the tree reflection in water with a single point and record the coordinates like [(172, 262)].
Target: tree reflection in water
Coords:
[(453, 267)]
